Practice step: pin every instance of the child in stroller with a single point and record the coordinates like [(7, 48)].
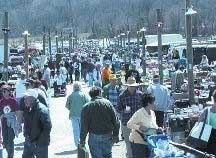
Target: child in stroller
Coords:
[(59, 84)]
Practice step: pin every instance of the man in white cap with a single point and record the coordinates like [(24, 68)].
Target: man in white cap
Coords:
[(37, 126)]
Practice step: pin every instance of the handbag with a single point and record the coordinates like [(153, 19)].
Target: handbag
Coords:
[(200, 133)]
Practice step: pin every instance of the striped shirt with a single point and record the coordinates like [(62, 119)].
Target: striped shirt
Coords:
[(113, 95), (131, 100)]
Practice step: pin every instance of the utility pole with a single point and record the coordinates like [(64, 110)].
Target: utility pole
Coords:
[(143, 50), (26, 34), (138, 40), (73, 40), (56, 38), (103, 43), (160, 55), (50, 44), (5, 31), (44, 40), (118, 38), (124, 41), (188, 23), (76, 38), (128, 37), (62, 43), (70, 43)]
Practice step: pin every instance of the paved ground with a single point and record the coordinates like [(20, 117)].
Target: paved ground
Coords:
[(62, 145)]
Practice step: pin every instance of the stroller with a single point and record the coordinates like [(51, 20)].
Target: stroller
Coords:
[(59, 90), (162, 147)]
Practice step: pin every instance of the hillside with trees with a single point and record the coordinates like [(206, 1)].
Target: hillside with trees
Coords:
[(106, 18)]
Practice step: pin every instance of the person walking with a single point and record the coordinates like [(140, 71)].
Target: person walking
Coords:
[(132, 72), (129, 102), (178, 79), (142, 122), (97, 75), (99, 119), (106, 71), (47, 75), (10, 126), (75, 102), (20, 86), (162, 99), (37, 126), (212, 140), (112, 90)]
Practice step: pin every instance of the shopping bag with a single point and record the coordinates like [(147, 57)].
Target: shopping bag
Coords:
[(200, 133), (82, 152)]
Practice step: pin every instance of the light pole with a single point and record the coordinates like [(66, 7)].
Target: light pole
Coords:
[(70, 43), (128, 37), (5, 31), (115, 43), (50, 44), (159, 32), (188, 14), (26, 34), (56, 38), (123, 39), (62, 43), (44, 40), (138, 40), (119, 40), (143, 30)]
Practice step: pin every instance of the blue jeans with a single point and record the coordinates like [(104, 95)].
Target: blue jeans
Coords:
[(8, 139), (1, 153), (140, 150), (76, 129), (31, 150), (100, 145), (90, 79)]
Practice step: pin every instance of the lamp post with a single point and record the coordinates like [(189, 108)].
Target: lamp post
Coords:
[(73, 42), (62, 43), (123, 39), (188, 22), (26, 34), (56, 38), (70, 43), (159, 32), (44, 40), (138, 40), (5, 30), (118, 38), (50, 44), (143, 30)]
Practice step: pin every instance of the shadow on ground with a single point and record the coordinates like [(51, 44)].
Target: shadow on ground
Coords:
[(70, 152), (19, 148), (19, 144)]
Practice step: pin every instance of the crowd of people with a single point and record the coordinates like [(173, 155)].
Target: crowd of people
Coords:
[(117, 106)]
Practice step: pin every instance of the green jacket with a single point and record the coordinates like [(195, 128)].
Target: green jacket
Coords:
[(75, 103)]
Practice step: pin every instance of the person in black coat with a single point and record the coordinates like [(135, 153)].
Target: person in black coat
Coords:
[(133, 72), (37, 126)]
